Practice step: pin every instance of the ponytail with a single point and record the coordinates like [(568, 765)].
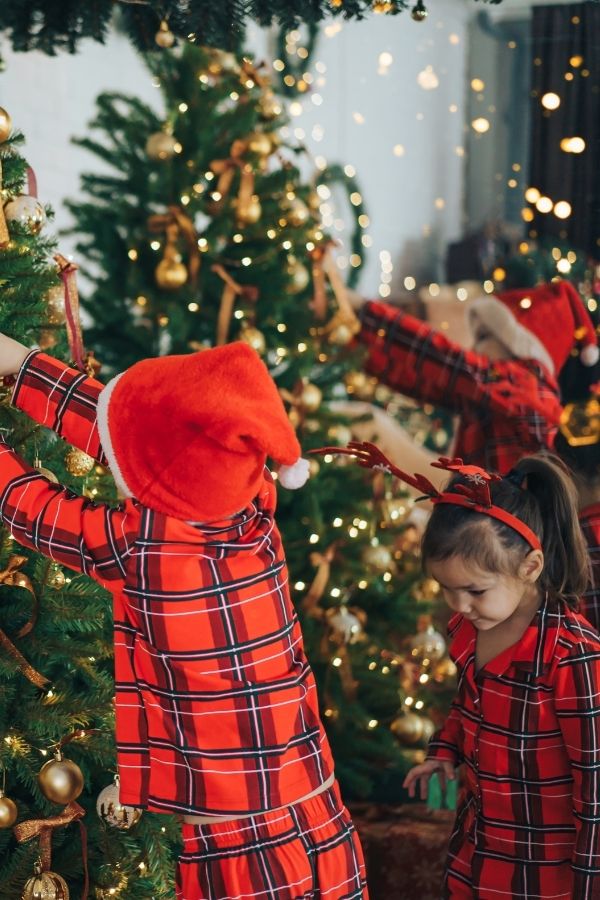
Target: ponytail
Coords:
[(540, 492)]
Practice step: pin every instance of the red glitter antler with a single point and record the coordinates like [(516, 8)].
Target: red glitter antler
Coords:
[(478, 489), (369, 456)]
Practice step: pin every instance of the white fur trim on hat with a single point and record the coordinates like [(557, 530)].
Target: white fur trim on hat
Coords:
[(104, 432), (293, 477), (517, 339)]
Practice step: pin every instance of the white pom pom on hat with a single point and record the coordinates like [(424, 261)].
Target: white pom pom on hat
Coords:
[(295, 476)]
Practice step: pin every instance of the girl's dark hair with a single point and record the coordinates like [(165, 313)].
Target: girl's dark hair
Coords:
[(540, 492)]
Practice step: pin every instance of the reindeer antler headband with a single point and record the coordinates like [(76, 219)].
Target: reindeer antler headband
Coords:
[(474, 495)]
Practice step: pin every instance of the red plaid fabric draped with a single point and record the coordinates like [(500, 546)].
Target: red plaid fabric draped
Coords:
[(589, 605), (527, 727), (217, 707), (507, 407)]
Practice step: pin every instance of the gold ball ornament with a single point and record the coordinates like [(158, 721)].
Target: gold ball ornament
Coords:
[(408, 728), (8, 811), (164, 37), (5, 125), (311, 397), (79, 463), (111, 811), (170, 274), (250, 212), (60, 780), (444, 670), (45, 886), (27, 212), (55, 305), (360, 385), (298, 274), (419, 12), (378, 558), (269, 106), (341, 334), (161, 146), (297, 212), (254, 338), (260, 143)]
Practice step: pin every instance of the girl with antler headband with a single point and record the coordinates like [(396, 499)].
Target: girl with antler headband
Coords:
[(511, 561)]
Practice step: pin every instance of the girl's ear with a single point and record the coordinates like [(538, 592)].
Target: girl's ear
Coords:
[(532, 566)]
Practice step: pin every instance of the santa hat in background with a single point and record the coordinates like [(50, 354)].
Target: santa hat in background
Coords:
[(189, 435), (543, 323)]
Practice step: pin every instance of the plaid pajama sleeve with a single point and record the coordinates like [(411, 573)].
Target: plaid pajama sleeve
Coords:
[(415, 359), (60, 398), (577, 703), (76, 532)]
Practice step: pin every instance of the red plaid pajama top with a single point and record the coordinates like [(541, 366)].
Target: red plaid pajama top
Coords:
[(508, 408), (217, 707), (527, 727), (589, 604)]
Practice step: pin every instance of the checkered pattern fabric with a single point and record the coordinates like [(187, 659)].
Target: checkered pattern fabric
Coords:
[(507, 408), (527, 727), (304, 852), (217, 707), (589, 605)]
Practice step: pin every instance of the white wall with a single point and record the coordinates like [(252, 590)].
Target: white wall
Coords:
[(52, 98)]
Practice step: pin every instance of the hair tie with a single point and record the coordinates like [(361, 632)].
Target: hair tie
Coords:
[(516, 478)]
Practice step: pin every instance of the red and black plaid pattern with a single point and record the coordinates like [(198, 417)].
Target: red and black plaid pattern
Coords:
[(507, 408), (217, 707), (303, 852), (527, 728), (589, 604)]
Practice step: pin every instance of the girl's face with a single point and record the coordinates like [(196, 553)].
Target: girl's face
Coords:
[(486, 598)]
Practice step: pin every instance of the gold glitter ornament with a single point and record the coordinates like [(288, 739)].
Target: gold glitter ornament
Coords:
[(111, 811), (60, 780), (27, 212), (408, 728), (79, 463), (171, 274), (8, 811), (45, 886)]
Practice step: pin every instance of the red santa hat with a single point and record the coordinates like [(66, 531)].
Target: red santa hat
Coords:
[(189, 435), (543, 323)]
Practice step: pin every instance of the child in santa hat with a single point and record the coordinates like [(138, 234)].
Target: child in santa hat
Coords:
[(217, 714), (505, 390)]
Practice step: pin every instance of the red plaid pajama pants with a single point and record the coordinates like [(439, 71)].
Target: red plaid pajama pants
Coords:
[(309, 851)]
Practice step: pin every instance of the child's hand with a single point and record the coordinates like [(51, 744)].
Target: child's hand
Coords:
[(422, 773), (12, 355)]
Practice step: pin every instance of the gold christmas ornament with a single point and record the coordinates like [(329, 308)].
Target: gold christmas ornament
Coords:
[(269, 106), (171, 274), (8, 811), (426, 590), (79, 463), (408, 728), (378, 558), (45, 886), (419, 12), (5, 125), (250, 212), (111, 811), (27, 212), (341, 335), (164, 37), (297, 212), (395, 510), (55, 304), (360, 385), (255, 338), (298, 274), (311, 397), (161, 146), (60, 780), (37, 464), (47, 339), (56, 579), (260, 143), (427, 644), (444, 670)]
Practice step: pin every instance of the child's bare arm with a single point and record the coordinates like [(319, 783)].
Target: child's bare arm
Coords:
[(12, 355)]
